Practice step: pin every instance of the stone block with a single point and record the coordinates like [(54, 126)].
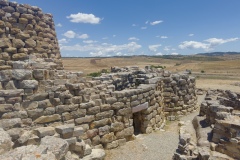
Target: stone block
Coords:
[(106, 114), (108, 138), (65, 131), (86, 119), (48, 119), (44, 131), (100, 123)]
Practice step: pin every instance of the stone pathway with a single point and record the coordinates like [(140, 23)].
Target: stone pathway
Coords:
[(159, 145)]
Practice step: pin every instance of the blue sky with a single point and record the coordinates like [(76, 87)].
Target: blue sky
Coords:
[(135, 27)]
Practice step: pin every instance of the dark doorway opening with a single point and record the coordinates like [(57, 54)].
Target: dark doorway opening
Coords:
[(137, 123)]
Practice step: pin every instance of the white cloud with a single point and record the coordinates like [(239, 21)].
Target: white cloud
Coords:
[(174, 53), (146, 22), (84, 18), (193, 45), (159, 54), (59, 25), (190, 35), (143, 27), (216, 41), (114, 35), (134, 25), (89, 41), (63, 40), (163, 37), (210, 43), (133, 39), (83, 36), (154, 47), (70, 34), (103, 49), (155, 22)]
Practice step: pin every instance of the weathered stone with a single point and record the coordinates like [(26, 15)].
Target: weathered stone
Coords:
[(5, 141), (117, 126), (29, 84), (23, 139), (21, 74), (100, 123), (86, 119), (65, 131), (15, 133), (30, 43), (97, 154), (107, 138), (7, 124), (106, 114), (44, 131), (47, 119), (93, 110), (78, 131), (57, 146)]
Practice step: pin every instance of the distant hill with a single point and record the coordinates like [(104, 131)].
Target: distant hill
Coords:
[(219, 53)]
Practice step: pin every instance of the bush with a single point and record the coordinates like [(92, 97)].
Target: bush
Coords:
[(202, 71), (98, 74), (153, 66)]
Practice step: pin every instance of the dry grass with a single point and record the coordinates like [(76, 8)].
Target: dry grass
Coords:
[(218, 74)]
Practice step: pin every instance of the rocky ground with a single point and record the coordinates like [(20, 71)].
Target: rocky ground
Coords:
[(159, 145)]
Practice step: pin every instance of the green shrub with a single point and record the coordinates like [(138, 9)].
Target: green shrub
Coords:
[(202, 71), (153, 66), (98, 74)]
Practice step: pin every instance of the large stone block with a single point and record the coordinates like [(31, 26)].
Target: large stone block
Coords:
[(65, 131), (48, 119), (44, 131), (86, 119)]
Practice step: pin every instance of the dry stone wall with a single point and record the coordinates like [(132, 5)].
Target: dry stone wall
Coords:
[(25, 31), (39, 99)]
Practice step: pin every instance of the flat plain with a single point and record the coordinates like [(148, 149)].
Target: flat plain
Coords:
[(212, 72)]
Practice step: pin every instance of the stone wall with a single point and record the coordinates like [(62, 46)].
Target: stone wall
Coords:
[(24, 31), (39, 99), (222, 112)]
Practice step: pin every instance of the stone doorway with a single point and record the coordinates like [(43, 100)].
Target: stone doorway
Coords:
[(137, 123)]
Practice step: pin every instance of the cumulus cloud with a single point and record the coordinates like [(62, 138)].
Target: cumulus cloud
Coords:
[(143, 27), (63, 40), (174, 53), (154, 47), (134, 25), (193, 45), (216, 41), (59, 25), (89, 41), (133, 39), (84, 18), (103, 49), (159, 54), (191, 34), (155, 22), (208, 44), (83, 36), (70, 34)]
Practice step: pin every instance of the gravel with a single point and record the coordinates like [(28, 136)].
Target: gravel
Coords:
[(159, 145)]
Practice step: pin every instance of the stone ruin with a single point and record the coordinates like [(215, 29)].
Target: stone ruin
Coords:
[(217, 129), (49, 113)]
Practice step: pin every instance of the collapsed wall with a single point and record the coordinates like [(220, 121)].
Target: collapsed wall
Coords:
[(39, 99), (217, 129)]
